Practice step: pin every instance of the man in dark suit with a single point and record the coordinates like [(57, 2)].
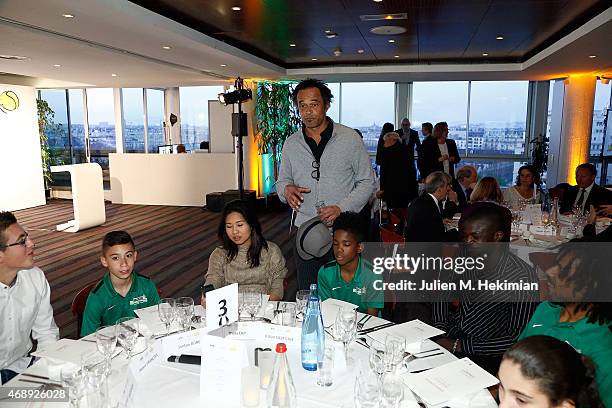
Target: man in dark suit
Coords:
[(586, 192), (427, 130), (464, 183), (424, 219), (439, 152), (409, 137)]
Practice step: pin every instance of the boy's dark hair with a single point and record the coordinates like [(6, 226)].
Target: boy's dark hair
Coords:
[(352, 223), (116, 238), (257, 239), (6, 220), (326, 93)]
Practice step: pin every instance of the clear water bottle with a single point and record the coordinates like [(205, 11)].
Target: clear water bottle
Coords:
[(281, 391), (313, 336)]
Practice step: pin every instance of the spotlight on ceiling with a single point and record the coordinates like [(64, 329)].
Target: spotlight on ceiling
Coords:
[(499, 37), (239, 95), (68, 15)]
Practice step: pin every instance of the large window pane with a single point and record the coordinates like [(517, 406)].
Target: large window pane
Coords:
[(367, 106), (133, 119), (194, 113), (334, 109), (503, 170), (444, 101), (101, 119), (602, 104), (498, 116), (155, 119), (77, 125), (59, 142)]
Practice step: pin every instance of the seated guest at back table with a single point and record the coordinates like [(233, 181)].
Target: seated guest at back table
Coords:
[(398, 175), (424, 219), (586, 192), (543, 372), (245, 256), (121, 291), (579, 273), (349, 277), (484, 330), (25, 309), (439, 152), (464, 184), (527, 182), (487, 189)]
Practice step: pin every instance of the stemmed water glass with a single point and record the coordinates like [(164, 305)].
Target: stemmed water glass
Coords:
[(252, 301), (185, 311), (345, 328), (106, 341), (301, 300), (74, 380), (367, 390), (392, 390), (395, 349), (378, 359), (96, 369), (167, 312), (128, 330)]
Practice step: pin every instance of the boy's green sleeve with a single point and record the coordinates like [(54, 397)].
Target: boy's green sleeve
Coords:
[(92, 316), (154, 295), (323, 285), (374, 294)]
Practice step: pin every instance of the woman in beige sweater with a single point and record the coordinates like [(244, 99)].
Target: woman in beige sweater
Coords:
[(245, 257)]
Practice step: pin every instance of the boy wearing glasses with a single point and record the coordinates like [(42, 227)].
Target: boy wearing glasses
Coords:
[(121, 291), (25, 308)]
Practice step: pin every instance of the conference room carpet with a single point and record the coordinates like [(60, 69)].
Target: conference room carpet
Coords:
[(173, 244)]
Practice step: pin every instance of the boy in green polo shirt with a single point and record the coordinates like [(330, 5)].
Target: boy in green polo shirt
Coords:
[(350, 278), (121, 291)]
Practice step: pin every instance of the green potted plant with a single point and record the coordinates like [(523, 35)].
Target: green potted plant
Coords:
[(539, 154), (277, 118), (45, 125)]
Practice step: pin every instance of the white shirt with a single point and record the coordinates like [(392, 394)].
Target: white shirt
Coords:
[(435, 201), (587, 191), (444, 151), (25, 308)]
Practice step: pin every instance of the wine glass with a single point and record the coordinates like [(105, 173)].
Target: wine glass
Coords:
[(96, 369), (128, 330), (395, 348), (301, 300), (185, 309), (167, 312), (106, 341), (241, 304), (377, 358), (74, 380), (345, 328), (367, 391), (392, 390), (252, 302)]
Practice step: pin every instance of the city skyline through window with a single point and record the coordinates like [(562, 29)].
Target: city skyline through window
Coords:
[(133, 120), (194, 113)]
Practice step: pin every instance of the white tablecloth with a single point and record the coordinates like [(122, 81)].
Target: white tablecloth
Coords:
[(169, 387)]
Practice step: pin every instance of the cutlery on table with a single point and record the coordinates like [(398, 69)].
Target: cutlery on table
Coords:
[(363, 321), (376, 328)]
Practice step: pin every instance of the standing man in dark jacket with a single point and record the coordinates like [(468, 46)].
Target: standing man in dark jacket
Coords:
[(409, 137), (398, 175), (439, 152)]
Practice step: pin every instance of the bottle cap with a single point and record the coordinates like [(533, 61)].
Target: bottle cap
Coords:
[(281, 348)]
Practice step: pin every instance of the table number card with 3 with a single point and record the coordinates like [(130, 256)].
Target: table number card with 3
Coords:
[(222, 306)]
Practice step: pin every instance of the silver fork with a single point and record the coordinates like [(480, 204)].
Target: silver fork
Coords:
[(363, 321)]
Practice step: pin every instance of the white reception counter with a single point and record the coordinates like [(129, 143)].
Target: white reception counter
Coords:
[(170, 179)]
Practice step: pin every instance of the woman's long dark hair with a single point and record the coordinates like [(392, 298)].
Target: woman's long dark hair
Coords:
[(257, 240), (560, 371), (534, 174), (386, 128)]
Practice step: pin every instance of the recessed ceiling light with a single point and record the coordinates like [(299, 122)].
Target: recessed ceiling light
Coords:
[(236, 8), (592, 56), (328, 31), (56, 65), (485, 54), (314, 59), (331, 34), (223, 65), (360, 51), (113, 75), (68, 15), (499, 37), (14, 57), (377, 1), (391, 41), (292, 45), (396, 56), (166, 47)]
